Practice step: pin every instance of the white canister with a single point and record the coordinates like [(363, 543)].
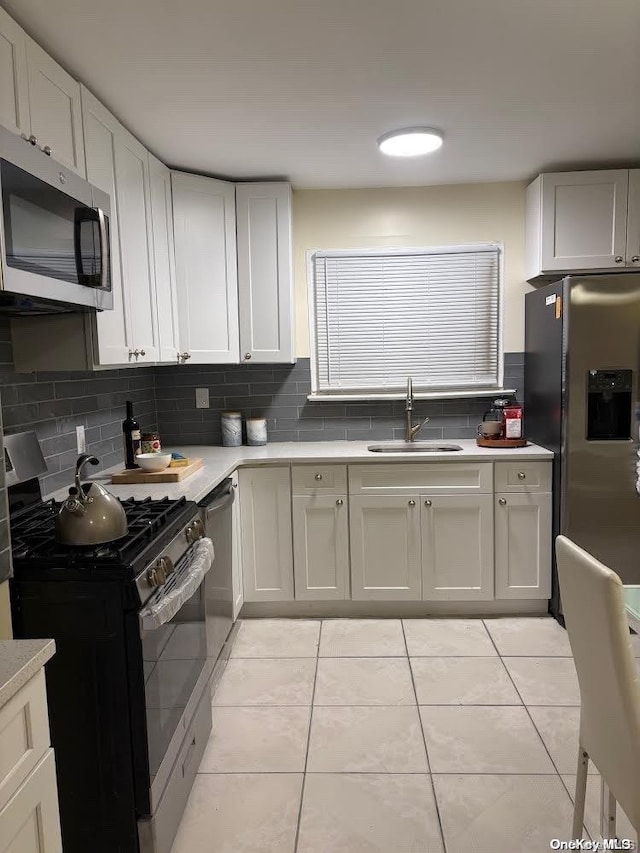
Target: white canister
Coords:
[(231, 423), (256, 431)]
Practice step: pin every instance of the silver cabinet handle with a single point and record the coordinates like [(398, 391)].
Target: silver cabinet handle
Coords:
[(46, 149), (412, 503), (318, 476), (33, 139), (619, 259), (247, 356), (635, 259), (131, 354), (339, 502), (522, 475), (427, 503), (502, 501), (62, 177), (142, 352), (183, 356)]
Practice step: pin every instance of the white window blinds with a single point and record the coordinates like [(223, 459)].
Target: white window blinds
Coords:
[(378, 316)]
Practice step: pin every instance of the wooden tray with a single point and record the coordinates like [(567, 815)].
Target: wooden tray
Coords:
[(501, 442), (169, 475)]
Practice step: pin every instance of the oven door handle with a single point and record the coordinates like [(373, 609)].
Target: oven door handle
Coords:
[(165, 608)]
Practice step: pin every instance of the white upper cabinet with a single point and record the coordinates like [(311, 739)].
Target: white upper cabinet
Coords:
[(164, 259), (134, 213), (204, 224), (14, 79), (582, 221), (633, 220), (54, 103), (111, 343), (265, 282)]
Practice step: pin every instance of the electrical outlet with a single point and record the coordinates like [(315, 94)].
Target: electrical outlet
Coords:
[(81, 441), (202, 398)]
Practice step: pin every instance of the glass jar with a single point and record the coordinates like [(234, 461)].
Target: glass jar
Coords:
[(151, 442)]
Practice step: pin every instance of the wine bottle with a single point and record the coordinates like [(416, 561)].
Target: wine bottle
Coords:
[(131, 436)]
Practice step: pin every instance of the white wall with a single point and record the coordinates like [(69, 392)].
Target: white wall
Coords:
[(414, 216)]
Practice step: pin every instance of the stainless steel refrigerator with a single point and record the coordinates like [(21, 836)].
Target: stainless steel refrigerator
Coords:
[(582, 400)]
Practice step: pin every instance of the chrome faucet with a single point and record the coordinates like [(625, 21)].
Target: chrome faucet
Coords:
[(412, 430)]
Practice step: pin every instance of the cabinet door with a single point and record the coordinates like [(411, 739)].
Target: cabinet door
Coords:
[(54, 103), (457, 548), (134, 212), (30, 821), (206, 273), (112, 344), (385, 548), (267, 551), (164, 260), (523, 545), (584, 220), (14, 80), (265, 276), (320, 547), (236, 551), (633, 222)]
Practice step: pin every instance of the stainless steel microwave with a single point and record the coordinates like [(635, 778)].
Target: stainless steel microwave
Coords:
[(54, 235)]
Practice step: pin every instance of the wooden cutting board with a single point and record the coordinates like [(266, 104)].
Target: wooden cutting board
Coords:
[(130, 477)]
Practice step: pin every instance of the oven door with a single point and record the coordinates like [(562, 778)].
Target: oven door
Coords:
[(54, 231), (176, 668)]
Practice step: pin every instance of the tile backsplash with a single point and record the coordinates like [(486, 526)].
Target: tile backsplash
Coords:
[(279, 393), (53, 404)]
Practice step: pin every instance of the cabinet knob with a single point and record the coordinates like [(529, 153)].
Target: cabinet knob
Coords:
[(522, 475), (247, 356), (142, 352), (131, 354), (318, 476), (502, 501), (183, 356), (339, 502), (619, 259), (635, 259), (412, 503), (427, 503), (33, 139), (46, 149)]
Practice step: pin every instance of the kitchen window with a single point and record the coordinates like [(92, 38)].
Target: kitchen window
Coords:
[(380, 315)]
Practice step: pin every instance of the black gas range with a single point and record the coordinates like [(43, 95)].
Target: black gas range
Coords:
[(128, 696)]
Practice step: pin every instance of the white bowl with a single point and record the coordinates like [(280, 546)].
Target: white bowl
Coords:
[(153, 461)]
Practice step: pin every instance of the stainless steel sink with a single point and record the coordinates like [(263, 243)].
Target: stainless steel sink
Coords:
[(413, 447)]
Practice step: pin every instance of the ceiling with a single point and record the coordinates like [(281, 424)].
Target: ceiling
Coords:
[(301, 89)]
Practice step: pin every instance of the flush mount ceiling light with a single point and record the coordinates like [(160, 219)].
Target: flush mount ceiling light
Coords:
[(410, 142)]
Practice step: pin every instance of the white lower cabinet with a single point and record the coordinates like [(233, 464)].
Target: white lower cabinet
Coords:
[(385, 548), (523, 545), (321, 547), (266, 539), (30, 822), (457, 547)]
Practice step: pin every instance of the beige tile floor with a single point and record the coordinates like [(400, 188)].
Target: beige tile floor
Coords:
[(371, 736)]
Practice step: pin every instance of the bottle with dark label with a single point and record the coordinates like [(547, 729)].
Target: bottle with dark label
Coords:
[(131, 436)]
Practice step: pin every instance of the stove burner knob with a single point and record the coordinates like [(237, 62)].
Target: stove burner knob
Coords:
[(198, 528), (160, 571), (190, 535)]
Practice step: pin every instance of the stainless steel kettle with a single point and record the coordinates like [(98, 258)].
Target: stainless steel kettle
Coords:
[(90, 515)]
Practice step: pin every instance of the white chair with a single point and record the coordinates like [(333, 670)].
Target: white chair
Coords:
[(594, 612)]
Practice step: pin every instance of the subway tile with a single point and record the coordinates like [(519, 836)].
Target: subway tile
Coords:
[(426, 433), (302, 425), (322, 435), (282, 435), (34, 392), (378, 433), (69, 389)]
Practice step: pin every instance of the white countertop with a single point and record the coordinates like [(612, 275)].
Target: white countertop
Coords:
[(20, 660), (220, 462)]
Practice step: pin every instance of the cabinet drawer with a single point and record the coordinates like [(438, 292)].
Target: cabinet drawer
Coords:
[(436, 478), (523, 476), (24, 735), (318, 479)]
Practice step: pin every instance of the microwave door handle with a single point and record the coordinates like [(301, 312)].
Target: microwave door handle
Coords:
[(82, 214), (104, 248)]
